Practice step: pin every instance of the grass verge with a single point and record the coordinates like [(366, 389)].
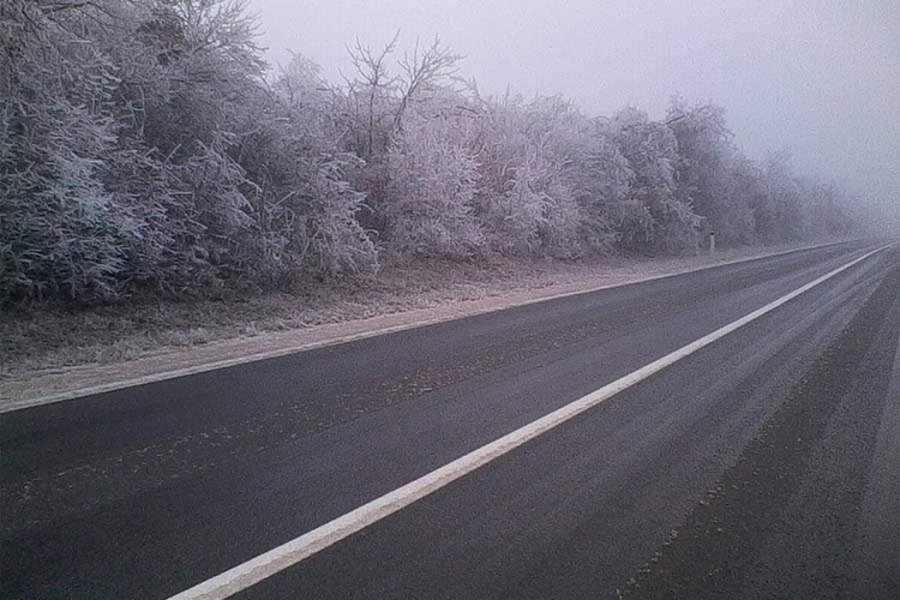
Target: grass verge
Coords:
[(48, 339)]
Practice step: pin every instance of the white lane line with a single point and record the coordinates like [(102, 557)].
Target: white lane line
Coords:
[(303, 347), (265, 565)]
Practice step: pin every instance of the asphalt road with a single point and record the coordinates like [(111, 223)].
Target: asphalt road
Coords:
[(764, 465)]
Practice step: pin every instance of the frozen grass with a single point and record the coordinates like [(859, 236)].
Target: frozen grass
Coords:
[(44, 340)]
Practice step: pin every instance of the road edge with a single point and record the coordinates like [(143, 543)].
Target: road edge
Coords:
[(296, 348)]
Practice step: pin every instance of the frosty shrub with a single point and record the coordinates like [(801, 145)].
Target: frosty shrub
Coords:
[(537, 196), (509, 203), (653, 218), (331, 236), (63, 234), (433, 181), (145, 149)]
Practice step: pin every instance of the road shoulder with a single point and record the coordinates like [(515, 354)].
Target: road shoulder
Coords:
[(41, 386)]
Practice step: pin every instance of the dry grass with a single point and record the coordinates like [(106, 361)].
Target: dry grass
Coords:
[(52, 338)]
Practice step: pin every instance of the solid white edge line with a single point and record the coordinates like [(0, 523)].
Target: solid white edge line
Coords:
[(290, 553), (295, 349)]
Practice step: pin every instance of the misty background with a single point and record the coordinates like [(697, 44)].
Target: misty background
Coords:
[(819, 79)]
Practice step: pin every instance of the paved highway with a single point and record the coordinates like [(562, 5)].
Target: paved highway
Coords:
[(764, 464)]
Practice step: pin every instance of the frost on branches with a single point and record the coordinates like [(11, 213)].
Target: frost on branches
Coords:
[(147, 149), (433, 183)]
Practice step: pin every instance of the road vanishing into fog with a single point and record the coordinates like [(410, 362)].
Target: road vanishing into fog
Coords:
[(765, 464)]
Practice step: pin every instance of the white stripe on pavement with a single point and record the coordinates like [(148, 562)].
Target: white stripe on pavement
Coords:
[(290, 553)]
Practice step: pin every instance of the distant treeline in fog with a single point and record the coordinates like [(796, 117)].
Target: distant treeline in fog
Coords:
[(146, 148)]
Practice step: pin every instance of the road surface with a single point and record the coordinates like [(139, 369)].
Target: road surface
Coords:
[(765, 464)]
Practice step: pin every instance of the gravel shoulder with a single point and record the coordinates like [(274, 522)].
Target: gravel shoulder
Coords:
[(56, 354)]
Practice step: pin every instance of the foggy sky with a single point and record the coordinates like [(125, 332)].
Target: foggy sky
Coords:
[(819, 78)]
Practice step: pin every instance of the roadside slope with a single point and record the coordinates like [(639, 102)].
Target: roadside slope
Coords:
[(25, 386)]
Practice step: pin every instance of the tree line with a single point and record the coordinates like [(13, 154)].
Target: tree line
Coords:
[(147, 148)]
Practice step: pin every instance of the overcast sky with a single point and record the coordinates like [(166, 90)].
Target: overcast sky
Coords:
[(820, 78)]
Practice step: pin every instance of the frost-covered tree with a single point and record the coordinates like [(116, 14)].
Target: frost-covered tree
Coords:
[(293, 150), (705, 155), (432, 187), (142, 149), (426, 77), (145, 148), (375, 100), (785, 196), (63, 233), (654, 218), (508, 204), (533, 196), (748, 191)]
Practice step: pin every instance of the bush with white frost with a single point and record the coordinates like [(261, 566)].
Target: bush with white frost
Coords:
[(145, 149), (530, 161), (653, 217), (432, 186)]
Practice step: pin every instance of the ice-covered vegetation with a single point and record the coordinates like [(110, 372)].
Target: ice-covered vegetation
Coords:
[(146, 148)]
